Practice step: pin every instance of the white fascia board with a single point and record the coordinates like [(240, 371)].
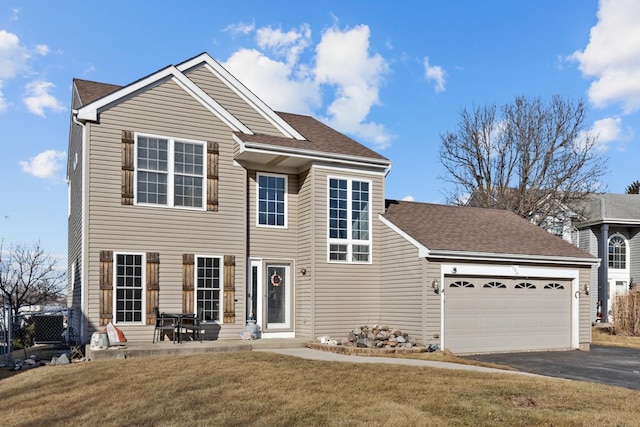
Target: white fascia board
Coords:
[(513, 270), (494, 257), (257, 147), (610, 221), (423, 251), (241, 90), (89, 112)]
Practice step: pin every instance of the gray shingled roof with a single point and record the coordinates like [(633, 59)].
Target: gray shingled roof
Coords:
[(477, 230), (609, 206), (320, 137)]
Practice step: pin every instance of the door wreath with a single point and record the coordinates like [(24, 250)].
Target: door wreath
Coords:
[(276, 279)]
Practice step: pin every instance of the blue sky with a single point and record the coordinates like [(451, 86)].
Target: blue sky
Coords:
[(393, 75)]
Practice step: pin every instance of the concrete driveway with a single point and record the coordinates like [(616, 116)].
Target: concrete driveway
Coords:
[(606, 365)]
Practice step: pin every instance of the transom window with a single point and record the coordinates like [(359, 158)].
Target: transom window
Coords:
[(525, 285), (272, 200), (553, 286), (208, 287), (495, 285), (349, 220), (170, 172), (617, 253), (461, 284), (129, 287)]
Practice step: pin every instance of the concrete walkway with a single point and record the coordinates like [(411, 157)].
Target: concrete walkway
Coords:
[(307, 353)]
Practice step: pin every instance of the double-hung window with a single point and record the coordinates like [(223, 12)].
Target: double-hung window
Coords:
[(170, 172), (208, 287), (349, 220), (272, 200), (129, 288)]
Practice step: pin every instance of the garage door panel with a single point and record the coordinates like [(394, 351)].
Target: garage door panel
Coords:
[(479, 319)]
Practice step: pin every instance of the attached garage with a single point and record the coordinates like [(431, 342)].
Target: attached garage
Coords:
[(487, 280), (494, 314)]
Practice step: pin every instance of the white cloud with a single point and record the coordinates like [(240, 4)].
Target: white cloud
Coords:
[(274, 82), (288, 45), (14, 14), (38, 98), (42, 49), (343, 61), (610, 130), (408, 199), (3, 101), (344, 71), (45, 164), (434, 73), (13, 56), (240, 28), (612, 56)]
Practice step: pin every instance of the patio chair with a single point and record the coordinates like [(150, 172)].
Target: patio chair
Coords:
[(164, 324), (193, 325)]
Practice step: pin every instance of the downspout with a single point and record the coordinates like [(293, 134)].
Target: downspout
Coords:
[(83, 244), (604, 274)]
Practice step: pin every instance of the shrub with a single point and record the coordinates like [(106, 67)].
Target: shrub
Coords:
[(626, 314)]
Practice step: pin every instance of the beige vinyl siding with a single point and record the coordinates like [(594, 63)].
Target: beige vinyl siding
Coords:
[(585, 315), (274, 242), (231, 101), (304, 315), (634, 254), (346, 295), (164, 110), (589, 243), (402, 289)]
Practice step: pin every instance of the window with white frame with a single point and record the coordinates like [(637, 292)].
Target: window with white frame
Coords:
[(129, 288), (349, 220), (208, 287), (617, 253), (272, 200), (170, 172)]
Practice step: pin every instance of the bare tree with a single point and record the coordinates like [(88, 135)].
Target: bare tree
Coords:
[(535, 158), (29, 276), (633, 188)]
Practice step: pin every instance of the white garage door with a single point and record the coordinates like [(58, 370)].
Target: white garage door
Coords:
[(493, 315)]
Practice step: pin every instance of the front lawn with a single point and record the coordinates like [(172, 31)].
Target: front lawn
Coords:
[(604, 336), (265, 389)]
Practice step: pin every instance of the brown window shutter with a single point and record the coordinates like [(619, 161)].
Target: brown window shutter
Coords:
[(128, 144), (106, 287), (187, 283), (213, 156), (229, 289), (153, 285)]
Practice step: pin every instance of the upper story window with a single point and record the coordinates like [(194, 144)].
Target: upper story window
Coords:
[(617, 253), (170, 172), (272, 200), (349, 220)]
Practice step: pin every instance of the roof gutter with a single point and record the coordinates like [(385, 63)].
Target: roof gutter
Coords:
[(485, 256)]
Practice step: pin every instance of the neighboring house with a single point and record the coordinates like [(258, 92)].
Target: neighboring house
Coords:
[(187, 192), (610, 230)]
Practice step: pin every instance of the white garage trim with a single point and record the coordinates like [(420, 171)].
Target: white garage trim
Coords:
[(515, 272)]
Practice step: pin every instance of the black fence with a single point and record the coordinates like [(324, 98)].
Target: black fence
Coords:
[(41, 334)]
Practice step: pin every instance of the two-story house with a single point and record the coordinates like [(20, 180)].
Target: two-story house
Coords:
[(188, 193)]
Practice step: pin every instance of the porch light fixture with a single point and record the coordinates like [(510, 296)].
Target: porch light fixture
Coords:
[(585, 288), (436, 286)]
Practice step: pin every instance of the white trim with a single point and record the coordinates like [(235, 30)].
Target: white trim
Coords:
[(90, 111), (171, 141), (286, 200), (236, 86), (347, 170), (143, 270), (220, 319), (423, 252), (349, 241), (276, 150)]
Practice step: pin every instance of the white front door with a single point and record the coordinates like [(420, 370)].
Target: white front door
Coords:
[(270, 297)]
